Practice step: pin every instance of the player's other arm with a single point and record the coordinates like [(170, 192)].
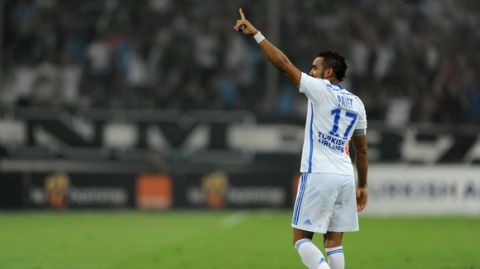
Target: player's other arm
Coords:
[(361, 162), (273, 54)]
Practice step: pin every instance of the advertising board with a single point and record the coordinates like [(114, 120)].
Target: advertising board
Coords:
[(434, 190)]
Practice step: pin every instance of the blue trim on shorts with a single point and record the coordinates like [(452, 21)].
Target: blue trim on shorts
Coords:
[(297, 203), (298, 206), (311, 139)]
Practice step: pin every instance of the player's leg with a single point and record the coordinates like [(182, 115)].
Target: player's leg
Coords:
[(334, 249), (304, 225), (301, 234), (311, 256), (344, 219)]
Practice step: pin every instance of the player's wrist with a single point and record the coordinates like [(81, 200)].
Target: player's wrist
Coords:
[(258, 37)]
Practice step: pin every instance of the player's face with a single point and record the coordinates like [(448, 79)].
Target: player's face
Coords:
[(317, 70)]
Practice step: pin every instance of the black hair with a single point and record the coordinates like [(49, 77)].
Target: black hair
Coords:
[(332, 59)]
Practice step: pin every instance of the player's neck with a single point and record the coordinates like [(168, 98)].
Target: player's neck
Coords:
[(333, 80)]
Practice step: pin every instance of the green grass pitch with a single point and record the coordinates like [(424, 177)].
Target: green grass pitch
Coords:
[(226, 239)]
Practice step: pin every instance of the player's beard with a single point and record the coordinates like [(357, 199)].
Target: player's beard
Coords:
[(322, 75)]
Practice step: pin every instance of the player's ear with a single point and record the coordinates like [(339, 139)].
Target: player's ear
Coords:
[(329, 72)]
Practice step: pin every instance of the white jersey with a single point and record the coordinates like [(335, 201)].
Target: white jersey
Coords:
[(333, 115)]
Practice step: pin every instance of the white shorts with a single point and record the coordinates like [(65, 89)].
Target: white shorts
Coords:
[(325, 202)]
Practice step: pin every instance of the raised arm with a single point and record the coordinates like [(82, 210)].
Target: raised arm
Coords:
[(273, 54), (361, 161)]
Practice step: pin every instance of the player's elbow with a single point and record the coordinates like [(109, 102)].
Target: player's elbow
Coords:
[(284, 65), (361, 151), (282, 62)]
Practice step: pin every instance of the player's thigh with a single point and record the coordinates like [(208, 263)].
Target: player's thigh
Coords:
[(315, 202), (345, 217)]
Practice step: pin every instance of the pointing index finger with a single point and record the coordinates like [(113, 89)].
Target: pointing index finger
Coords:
[(242, 16)]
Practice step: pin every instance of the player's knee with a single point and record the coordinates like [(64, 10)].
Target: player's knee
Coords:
[(296, 238), (332, 239), (299, 235), (331, 243)]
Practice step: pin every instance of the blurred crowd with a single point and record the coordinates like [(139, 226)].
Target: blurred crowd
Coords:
[(409, 60)]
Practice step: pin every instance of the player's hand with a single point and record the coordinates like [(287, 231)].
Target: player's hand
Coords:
[(362, 198), (244, 26)]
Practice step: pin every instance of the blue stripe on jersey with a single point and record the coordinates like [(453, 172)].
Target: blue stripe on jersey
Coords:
[(303, 184), (311, 139)]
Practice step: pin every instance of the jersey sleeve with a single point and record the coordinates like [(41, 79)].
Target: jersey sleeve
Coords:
[(314, 88), (362, 120)]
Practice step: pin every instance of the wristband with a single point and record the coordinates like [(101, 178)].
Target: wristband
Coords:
[(259, 37)]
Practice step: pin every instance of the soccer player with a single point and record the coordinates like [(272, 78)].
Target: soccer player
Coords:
[(327, 200)]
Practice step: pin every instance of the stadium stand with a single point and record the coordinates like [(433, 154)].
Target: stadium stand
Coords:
[(408, 59)]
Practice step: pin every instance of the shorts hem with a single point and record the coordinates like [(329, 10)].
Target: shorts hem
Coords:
[(309, 229), (327, 172), (343, 229), (323, 231)]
